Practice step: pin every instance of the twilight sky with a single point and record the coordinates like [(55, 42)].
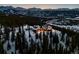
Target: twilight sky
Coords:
[(43, 6)]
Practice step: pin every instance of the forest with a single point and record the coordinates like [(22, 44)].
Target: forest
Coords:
[(18, 35)]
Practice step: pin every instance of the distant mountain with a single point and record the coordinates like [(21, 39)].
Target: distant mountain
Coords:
[(66, 12), (12, 10)]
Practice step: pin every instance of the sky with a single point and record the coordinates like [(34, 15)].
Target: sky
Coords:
[(43, 6)]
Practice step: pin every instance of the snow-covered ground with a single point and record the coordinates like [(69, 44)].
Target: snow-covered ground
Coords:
[(60, 24), (74, 28)]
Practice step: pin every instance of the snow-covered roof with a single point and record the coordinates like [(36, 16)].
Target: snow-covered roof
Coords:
[(76, 17)]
